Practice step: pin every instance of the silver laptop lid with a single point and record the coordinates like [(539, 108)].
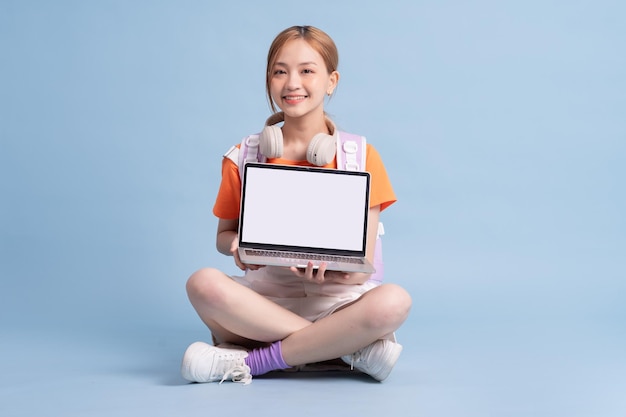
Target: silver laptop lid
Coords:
[(304, 209)]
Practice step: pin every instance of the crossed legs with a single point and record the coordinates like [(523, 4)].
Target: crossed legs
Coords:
[(238, 315)]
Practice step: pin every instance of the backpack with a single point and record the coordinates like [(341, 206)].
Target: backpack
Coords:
[(351, 150)]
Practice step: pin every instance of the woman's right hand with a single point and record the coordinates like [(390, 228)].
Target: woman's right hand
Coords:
[(234, 249)]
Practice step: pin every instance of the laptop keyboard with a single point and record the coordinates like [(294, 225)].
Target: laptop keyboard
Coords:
[(304, 256)]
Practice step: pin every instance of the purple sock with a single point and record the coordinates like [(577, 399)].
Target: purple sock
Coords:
[(264, 360)]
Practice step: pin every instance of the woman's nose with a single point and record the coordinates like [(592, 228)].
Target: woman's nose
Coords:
[(293, 82)]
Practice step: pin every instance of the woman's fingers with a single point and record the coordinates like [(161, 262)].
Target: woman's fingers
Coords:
[(311, 272)]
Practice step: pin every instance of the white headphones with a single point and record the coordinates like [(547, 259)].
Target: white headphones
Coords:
[(320, 152)]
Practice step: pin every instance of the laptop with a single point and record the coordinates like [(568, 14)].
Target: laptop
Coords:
[(291, 215)]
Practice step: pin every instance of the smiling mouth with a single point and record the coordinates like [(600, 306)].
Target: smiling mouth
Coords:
[(294, 98)]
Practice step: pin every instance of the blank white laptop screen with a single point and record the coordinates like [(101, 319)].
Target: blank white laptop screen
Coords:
[(313, 208)]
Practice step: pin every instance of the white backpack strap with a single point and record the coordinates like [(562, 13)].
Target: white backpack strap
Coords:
[(247, 152), (232, 154), (351, 152)]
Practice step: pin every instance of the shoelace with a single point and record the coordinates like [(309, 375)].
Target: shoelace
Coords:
[(355, 357), (239, 374)]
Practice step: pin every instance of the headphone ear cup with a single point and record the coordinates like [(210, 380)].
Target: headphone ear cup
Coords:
[(321, 150), (271, 142)]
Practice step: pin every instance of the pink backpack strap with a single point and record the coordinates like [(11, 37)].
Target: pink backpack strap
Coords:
[(351, 152)]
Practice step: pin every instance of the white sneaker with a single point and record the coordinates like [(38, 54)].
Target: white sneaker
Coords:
[(376, 360), (205, 363)]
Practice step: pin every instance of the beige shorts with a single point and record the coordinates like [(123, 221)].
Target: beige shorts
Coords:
[(308, 300)]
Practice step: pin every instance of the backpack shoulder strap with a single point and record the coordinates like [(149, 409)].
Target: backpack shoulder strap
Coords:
[(351, 152), (248, 151)]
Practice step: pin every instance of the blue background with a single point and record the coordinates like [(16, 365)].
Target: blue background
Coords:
[(502, 125)]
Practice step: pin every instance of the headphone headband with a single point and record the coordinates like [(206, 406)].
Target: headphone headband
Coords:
[(279, 117)]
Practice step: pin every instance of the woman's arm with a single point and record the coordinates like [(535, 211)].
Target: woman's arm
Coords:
[(226, 235), (227, 242)]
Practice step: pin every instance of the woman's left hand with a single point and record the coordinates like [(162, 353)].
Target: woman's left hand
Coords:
[(319, 274)]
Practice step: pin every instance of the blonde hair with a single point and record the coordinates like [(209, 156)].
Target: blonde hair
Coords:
[(315, 37)]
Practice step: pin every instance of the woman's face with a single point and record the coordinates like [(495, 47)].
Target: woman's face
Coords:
[(300, 80)]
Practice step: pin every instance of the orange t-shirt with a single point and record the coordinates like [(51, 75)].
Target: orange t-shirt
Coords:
[(229, 195)]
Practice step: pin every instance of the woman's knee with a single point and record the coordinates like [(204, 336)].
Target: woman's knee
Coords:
[(387, 306), (205, 284)]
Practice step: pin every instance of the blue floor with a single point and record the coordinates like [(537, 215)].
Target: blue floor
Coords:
[(456, 370)]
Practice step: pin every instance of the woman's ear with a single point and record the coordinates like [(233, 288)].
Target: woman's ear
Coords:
[(332, 82)]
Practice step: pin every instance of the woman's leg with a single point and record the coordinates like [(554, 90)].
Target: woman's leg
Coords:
[(375, 314), (236, 314)]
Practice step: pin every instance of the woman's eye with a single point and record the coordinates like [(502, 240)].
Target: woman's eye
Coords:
[(307, 71), (279, 72)]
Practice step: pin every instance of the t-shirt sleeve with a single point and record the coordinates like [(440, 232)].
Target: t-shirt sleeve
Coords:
[(381, 191), (229, 194)]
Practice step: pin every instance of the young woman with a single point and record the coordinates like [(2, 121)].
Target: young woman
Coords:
[(276, 318)]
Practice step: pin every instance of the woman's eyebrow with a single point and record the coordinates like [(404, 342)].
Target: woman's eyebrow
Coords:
[(303, 64)]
